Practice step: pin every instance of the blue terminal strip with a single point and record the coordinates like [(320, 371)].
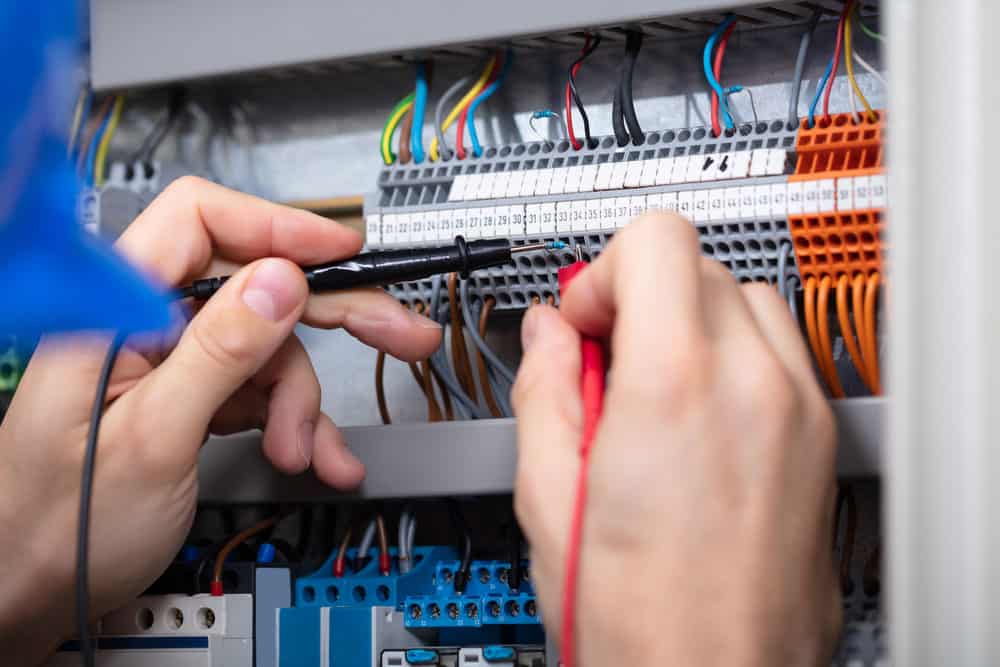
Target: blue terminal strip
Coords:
[(499, 654), (422, 656)]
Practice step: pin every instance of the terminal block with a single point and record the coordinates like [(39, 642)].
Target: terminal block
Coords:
[(732, 187)]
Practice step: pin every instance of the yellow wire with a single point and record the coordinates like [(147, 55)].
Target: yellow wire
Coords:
[(102, 149), (849, 60), (74, 127), (390, 129), (452, 116)]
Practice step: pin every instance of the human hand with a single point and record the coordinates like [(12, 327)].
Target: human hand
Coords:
[(707, 532), (236, 366)]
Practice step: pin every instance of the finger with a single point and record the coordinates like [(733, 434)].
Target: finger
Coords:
[(377, 319), (546, 399), (293, 409), (333, 462), (245, 410), (782, 333), (727, 314), (226, 344), (649, 280), (176, 237)]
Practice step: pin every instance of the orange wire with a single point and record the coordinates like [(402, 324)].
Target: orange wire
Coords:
[(826, 346), (871, 293), (809, 301), (847, 331), (858, 300), (491, 402), (236, 541)]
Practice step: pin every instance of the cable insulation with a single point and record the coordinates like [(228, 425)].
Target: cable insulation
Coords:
[(720, 53), (235, 541), (419, 111), (847, 331), (825, 343), (849, 63), (871, 336), (633, 44), (508, 60), (589, 46), (838, 48), (800, 64), (102, 149), (385, 144), (439, 126), (707, 65), (459, 108)]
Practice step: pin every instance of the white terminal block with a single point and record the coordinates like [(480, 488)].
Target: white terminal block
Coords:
[(669, 201), (515, 184), (762, 201), (607, 214), (776, 161), (533, 219), (796, 205), (731, 197), (518, 224), (779, 200), (594, 211), (618, 173), (633, 174), (748, 201), (473, 222), (432, 220), (588, 178), (724, 168), (501, 227), (845, 194), (573, 177), (457, 192), (558, 184), (472, 186), (700, 213), (417, 228), (389, 229), (373, 231), (547, 223), (543, 182), (488, 223), (459, 222), (710, 167), (758, 162), (648, 176), (741, 164), (861, 187), (403, 229), (564, 212), (695, 165), (717, 204), (654, 202), (486, 185), (685, 204), (827, 195), (664, 168), (603, 179), (500, 182), (637, 205), (577, 216), (444, 225), (810, 197), (528, 183), (622, 209), (679, 173), (880, 191)]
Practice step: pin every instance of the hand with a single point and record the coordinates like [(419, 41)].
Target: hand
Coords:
[(707, 537), (236, 366)]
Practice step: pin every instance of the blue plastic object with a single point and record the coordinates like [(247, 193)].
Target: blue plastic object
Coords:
[(419, 110), (499, 654), (55, 277), (265, 553), (189, 554), (421, 656)]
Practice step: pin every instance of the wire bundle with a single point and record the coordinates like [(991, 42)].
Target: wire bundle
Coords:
[(439, 143), (624, 120), (712, 65), (572, 94), (470, 114), (93, 135)]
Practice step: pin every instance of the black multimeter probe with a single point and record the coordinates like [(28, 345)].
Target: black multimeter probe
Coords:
[(386, 267)]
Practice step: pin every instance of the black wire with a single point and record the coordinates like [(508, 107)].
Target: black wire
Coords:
[(633, 43), (86, 491), (587, 50), (462, 576), (514, 576), (146, 152), (617, 120)]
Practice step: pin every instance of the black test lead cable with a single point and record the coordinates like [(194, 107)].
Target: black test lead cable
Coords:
[(385, 267)]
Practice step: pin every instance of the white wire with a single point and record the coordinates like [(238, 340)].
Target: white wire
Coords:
[(855, 114), (871, 70)]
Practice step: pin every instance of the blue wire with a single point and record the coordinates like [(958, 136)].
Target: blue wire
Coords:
[(707, 63), (419, 109), (88, 103), (819, 93), (92, 150), (482, 97)]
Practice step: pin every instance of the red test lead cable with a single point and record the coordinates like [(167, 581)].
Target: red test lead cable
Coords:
[(592, 391)]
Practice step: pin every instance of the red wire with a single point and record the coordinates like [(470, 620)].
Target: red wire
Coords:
[(717, 70), (836, 58), (577, 144), (592, 392), (463, 116)]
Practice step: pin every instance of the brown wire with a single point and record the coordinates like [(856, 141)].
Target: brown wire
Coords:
[(93, 123), (491, 401), (422, 374), (342, 551), (236, 541), (405, 128), (459, 352), (383, 407), (383, 541)]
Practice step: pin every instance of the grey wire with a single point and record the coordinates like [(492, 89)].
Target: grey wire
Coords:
[(541, 137), (485, 349), (449, 94), (501, 392), (366, 541), (793, 302), (783, 252), (404, 558), (800, 65), (411, 534), (439, 361)]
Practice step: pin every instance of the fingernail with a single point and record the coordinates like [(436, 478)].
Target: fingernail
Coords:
[(350, 460), (272, 290), (529, 328), (307, 441), (421, 321)]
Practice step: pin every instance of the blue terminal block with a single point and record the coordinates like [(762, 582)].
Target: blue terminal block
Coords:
[(366, 587)]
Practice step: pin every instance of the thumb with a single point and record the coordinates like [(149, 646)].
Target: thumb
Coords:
[(236, 332)]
